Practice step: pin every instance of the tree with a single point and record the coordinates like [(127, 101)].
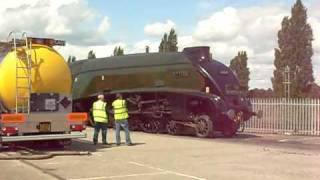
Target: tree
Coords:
[(71, 59), (239, 66), (169, 43), (164, 43), (118, 51), (260, 93), (91, 55), (293, 56)]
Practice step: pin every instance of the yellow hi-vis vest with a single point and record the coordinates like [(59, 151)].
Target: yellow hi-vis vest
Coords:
[(99, 112), (120, 109)]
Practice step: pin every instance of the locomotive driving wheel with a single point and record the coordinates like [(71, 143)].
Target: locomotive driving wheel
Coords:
[(203, 126), (151, 126), (172, 128)]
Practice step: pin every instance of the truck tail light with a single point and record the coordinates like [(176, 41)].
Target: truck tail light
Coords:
[(13, 118), (77, 127), (9, 131), (77, 117)]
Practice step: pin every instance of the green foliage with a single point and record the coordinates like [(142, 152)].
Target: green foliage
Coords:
[(239, 66), (169, 43), (71, 59), (91, 55), (118, 51), (295, 51), (260, 93)]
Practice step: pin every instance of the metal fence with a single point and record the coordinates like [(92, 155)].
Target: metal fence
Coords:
[(300, 116)]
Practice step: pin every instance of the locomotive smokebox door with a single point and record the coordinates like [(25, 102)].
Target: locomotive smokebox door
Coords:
[(44, 102)]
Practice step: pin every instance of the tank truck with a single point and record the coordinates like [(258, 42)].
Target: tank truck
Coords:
[(35, 93)]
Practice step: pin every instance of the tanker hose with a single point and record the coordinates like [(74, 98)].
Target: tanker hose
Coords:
[(31, 154)]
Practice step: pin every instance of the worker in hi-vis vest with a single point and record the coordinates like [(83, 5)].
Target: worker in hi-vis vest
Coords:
[(100, 118), (121, 119)]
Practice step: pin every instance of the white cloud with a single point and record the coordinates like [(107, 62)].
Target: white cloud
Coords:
[(104, 25), (187, 41), (70, 20), (253, 29), (261, 29), (159, 28), (140, 46), (81, 52), (223, 25), (315, 24)]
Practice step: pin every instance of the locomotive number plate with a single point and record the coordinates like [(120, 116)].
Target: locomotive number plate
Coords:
[(181, 74), (45, 127)]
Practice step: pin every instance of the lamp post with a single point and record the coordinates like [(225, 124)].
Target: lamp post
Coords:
[(287, 82)]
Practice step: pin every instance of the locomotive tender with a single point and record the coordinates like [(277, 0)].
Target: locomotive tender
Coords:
[(167, 92)]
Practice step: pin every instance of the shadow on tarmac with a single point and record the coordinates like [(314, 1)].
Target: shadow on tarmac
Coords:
[(245, 136), (85, 145), (76, 145)]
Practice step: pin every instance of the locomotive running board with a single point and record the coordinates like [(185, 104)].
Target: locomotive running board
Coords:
[(72, 135)]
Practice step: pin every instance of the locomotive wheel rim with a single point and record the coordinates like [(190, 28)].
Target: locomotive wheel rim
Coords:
[(152, 126), (171, 128), (156, 125), (146, 127), (202, 127)]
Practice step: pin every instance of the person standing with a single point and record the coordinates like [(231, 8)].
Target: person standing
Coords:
[(100, 118), (121, 118)]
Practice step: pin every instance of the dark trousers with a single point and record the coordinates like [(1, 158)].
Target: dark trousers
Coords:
[(97, 127)]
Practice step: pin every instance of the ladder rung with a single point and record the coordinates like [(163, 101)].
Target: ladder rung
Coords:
[(23, 97), (22, 77), (22, 87), (22, 67), (23, 109)]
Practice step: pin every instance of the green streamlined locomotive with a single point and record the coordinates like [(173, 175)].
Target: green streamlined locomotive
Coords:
[(175, 92)]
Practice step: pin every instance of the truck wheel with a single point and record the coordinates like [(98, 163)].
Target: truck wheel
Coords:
[(203, 126)]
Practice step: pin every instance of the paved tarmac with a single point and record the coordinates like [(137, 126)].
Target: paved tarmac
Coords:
[(165, 157)]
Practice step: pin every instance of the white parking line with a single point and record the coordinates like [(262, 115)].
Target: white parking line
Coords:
[(162, 171), (148, 166), (283, 140), (52, 163), (170, 172), (121, 176)]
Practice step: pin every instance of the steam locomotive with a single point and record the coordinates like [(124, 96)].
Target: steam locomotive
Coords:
[(174, 92)]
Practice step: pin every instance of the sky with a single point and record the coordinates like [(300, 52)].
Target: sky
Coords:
[(227, 26)]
